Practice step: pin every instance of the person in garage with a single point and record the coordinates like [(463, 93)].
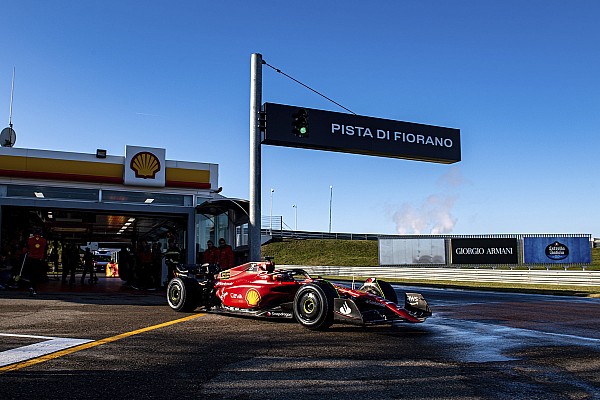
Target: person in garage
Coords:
[(88, 266), (211, 255), (225, 255), (36, 254), (70, 260)]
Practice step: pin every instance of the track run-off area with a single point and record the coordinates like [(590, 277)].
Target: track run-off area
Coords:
[(477, 345)]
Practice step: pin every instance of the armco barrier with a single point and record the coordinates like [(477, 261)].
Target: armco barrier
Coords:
[(548, 277)]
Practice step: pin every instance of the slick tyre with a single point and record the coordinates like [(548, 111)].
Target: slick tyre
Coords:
[(313, 305), (181, 294), (382, 289)]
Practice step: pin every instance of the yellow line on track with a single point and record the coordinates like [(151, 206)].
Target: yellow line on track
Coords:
[(52, 356)]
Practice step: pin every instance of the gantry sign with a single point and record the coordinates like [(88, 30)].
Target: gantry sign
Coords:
[(332, 131), (324, 130)]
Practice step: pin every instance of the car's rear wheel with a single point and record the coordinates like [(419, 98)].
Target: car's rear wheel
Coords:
[(313, 305), (181, 294), (382, 289)]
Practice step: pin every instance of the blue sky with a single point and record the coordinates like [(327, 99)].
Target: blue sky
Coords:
[(518, 78)]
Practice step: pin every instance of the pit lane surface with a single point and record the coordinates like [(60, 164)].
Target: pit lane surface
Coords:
[(478, 345)]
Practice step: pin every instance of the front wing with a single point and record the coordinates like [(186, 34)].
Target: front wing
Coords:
[(368, 309)]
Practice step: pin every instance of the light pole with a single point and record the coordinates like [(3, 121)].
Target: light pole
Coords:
[(295, 217), (271, 213), (330, 200)]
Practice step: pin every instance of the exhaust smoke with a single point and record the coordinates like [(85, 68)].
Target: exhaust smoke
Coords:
[(434, 214)]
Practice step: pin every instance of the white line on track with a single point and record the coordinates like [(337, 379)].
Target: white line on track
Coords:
[(48, 345)]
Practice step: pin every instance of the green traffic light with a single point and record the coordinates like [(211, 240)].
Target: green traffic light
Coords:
[(300, 123)]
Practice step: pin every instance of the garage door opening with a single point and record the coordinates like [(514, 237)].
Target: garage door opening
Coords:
[(126, 246)]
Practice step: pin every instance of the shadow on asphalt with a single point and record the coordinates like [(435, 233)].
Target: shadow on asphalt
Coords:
[(107, 291), (142, 299)]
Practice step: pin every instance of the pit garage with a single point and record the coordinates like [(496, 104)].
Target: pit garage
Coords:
[(109, 229), (110, 202)]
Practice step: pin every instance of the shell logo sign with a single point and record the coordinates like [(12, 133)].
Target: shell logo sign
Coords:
[(252, 297), (144, 166)]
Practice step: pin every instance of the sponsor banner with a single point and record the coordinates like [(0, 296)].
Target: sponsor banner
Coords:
[(484, 251), (144, 166), (557, 250), (411, 251), (308, 128)]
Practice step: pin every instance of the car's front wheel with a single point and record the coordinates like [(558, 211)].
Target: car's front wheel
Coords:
[(313, 305), (181, 294)]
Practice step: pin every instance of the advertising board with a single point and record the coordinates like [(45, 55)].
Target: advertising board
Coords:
[(557, 250), (307, 128), (484, 251), (398, 251)]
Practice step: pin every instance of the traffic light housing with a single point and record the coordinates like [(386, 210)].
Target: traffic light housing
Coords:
[(300, 123)]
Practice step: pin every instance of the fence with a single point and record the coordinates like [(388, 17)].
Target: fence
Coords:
[(537, 277), (286, 233)]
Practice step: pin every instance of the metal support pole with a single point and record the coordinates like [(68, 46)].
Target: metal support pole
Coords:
[(330, 200), (190, 239), (295, 217), (255, 157), (271, 213)]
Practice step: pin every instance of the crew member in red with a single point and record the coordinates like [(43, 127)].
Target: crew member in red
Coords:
[(36, 254), (211, 255), (225, 255)]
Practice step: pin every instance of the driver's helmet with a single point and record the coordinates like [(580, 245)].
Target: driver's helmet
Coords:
[(267, 266)]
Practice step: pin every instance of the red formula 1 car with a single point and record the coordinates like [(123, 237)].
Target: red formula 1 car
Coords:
[(258, 289)]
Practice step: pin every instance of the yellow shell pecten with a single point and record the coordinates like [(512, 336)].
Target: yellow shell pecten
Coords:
[(253, 297), (145, 165)]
